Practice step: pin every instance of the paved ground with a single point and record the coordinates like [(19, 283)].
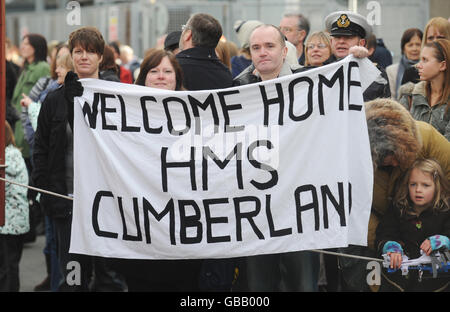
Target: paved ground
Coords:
[(32, 265)]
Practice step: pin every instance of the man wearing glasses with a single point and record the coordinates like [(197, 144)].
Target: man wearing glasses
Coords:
[(202, 70), (295, 27)]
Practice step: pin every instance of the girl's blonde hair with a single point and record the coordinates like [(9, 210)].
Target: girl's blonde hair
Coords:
[(65, 60), (441, 199)]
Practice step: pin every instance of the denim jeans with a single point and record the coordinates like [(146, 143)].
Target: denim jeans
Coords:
[(51, 250)]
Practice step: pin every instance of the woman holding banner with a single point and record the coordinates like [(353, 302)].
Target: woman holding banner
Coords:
[(160, 69), (53, 158)]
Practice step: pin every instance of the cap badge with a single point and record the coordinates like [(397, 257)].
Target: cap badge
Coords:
[(343, 21)]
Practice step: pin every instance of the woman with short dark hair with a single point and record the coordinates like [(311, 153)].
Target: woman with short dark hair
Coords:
[(160, 69)]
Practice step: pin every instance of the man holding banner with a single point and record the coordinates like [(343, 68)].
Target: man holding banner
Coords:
[(295, 271), (199, 175), (202, 70), (349, 29)]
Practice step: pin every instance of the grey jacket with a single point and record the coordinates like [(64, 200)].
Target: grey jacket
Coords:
[(247, 76), (420, 110)]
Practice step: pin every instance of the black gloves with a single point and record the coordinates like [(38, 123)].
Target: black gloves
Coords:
[(72, 87)]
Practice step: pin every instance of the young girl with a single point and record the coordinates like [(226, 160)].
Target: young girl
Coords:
[(16, 215), (418, 220)]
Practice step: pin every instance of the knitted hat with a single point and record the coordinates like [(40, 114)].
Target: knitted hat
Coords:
[(243, 31)]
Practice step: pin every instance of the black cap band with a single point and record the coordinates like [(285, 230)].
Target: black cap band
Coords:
[(345, 27)]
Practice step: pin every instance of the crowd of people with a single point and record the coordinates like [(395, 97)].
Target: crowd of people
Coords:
[(408, 118)]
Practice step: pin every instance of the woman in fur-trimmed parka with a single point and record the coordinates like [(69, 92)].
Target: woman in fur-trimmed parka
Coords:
[(414, 95), (396, 141)]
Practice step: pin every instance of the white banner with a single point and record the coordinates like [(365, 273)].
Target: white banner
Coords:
[(273, 167)]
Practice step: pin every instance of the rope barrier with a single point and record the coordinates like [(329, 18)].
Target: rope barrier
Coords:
[(38, 189), (313, 250), (346, 255)]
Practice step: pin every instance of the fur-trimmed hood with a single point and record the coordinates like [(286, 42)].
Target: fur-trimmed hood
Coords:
[(392, 131), (420, 88), (411, 88)]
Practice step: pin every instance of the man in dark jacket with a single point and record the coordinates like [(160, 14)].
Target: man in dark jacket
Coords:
[(53, 157), (350, 29), (202, 70), (382, 56), (293, 271)]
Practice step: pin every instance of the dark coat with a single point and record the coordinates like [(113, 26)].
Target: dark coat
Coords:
[(49, 154), (12, 115), (382, 56), (202, 70), (411, 230), (110, 74), (410, 75), (238, 64), (377, 89)]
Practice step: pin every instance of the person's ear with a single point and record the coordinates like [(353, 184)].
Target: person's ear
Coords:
[(443, 66), (362, 42), (302, 35), (188, 35), (284, 52)]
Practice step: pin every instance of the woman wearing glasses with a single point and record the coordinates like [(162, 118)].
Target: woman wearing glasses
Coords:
[(318, 49)]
